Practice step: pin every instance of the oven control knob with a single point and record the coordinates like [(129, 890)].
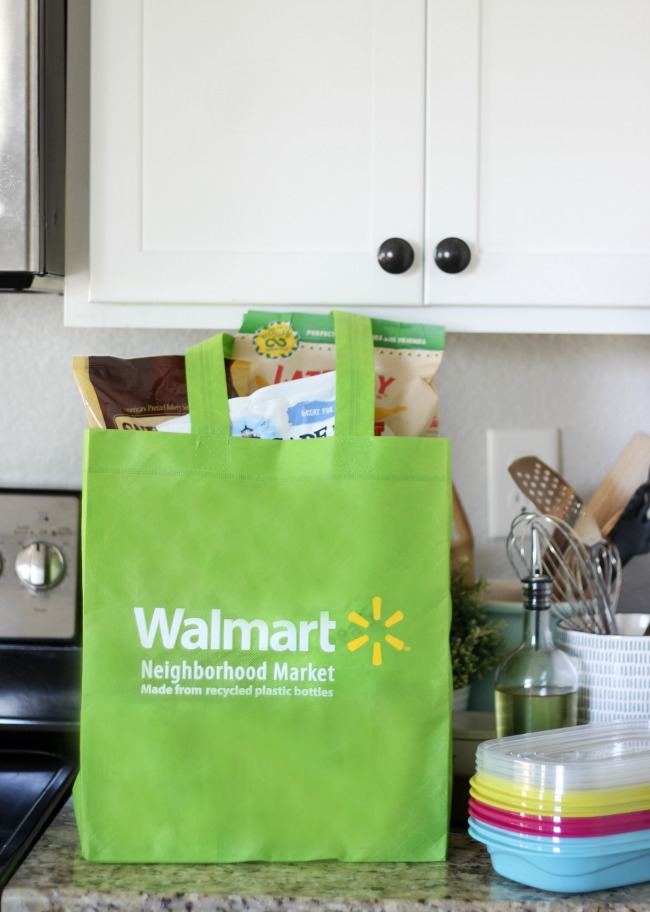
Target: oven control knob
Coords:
[(40, 565)]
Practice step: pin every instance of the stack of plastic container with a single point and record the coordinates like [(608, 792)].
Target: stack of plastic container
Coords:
[(568, 809)]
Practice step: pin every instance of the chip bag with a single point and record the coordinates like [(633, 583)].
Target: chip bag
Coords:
[(287, 346)]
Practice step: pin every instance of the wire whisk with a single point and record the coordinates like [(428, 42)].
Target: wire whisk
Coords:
[(586, 581)]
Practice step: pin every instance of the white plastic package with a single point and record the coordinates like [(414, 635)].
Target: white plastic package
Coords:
[(294, 410)]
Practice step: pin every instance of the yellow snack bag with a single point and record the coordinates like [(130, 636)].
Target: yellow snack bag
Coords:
[(287, 346)]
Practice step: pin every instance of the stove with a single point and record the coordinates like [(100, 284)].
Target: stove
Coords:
[(40, 664)]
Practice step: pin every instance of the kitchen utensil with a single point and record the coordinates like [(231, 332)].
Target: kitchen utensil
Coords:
[(628, 472), (586, 587), (547, 490), (631, 533), (551, 494), (608, 564)]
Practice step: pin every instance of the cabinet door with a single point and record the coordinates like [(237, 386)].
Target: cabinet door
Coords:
[(254, 153), (538, 155)]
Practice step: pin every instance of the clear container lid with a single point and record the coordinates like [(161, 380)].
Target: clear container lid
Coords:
[(602, 755)]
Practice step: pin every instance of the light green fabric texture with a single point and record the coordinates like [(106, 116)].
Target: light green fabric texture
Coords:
[(266, 671)]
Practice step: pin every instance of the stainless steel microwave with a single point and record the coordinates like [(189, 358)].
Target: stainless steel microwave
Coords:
[(32, 142)]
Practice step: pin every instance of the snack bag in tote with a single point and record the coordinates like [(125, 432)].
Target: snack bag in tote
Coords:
[(281, 347), (266, 671)]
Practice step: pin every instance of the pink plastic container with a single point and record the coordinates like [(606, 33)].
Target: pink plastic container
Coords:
[(577, 827)]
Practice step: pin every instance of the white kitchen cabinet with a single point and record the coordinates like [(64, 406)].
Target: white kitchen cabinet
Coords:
[(539, 156), (257, 154), (251, 153)]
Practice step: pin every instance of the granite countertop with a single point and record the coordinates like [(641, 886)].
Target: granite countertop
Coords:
[(55, 878)]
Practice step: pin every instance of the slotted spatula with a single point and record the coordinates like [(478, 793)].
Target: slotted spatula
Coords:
[(551, 494)]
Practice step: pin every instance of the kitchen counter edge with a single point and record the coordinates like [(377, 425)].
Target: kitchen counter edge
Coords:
[(55, 878)]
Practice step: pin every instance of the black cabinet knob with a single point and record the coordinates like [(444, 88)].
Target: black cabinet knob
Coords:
[(452, 255), (395, 255)]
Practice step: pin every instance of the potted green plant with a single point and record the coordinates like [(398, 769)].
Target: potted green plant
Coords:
[(476, 643)]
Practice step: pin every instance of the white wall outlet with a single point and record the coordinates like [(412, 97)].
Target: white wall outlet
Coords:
[(504, 499)]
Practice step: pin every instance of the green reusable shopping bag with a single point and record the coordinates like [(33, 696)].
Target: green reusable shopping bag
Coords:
[(266, 671)]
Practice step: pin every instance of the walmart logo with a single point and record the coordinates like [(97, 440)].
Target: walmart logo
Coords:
[(376, 633)]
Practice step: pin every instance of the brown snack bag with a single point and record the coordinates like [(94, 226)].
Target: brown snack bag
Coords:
[(136, 394)]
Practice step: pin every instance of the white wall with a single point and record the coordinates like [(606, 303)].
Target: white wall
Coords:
[(596, 389)]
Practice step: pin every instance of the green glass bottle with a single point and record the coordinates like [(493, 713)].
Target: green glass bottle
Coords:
[(536, 685)]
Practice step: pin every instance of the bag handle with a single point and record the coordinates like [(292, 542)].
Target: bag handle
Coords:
[(355, 376), (355, 380)]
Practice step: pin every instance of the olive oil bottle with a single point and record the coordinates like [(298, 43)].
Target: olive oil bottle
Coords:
[(536, 685)]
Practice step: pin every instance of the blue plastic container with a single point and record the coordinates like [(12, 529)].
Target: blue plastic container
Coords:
[(571, 875), (567, 865), (562, 845)]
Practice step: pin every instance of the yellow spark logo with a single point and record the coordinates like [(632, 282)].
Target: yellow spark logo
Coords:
[(364, 623)]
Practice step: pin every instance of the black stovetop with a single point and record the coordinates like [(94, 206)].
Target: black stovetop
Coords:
[(39, 743), (34, 784)]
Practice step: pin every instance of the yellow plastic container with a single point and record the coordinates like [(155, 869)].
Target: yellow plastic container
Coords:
[(511, 796)]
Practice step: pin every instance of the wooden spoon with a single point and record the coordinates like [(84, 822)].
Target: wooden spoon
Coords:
[(628, 472)]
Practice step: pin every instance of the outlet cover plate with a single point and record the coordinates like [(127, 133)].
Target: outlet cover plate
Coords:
[(504, 499)]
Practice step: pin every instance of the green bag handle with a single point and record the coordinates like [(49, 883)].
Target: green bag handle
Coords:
[(355, 380)]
